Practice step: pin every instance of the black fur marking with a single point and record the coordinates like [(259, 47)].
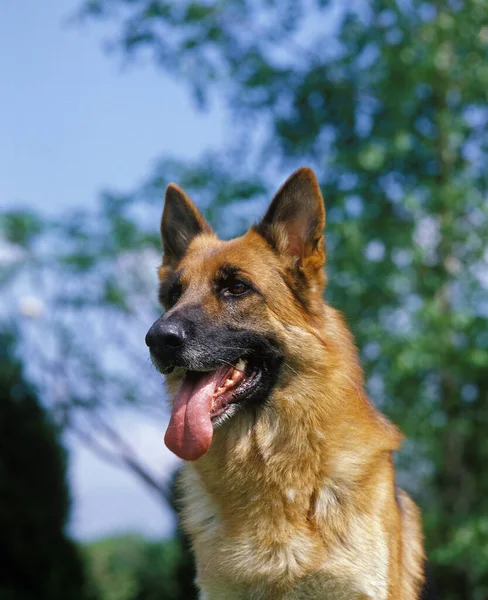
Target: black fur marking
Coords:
[(180, 223), (208, 346), (171, 289)]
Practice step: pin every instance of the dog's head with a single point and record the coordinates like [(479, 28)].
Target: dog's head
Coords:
[(237, 312)]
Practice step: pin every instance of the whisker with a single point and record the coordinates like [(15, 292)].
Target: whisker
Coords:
[(234, 348), (291, 368), (225, 362)]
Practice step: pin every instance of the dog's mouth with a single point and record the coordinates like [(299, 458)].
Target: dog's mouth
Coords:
[(235, 385), (203, 401)]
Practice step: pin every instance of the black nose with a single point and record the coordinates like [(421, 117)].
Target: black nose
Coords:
[(166, 334)]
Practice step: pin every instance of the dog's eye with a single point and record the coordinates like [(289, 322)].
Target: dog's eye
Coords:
[(174, 295), (235, 288)]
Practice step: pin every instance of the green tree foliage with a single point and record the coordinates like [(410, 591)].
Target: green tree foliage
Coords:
[(132, 568), (37, 560)]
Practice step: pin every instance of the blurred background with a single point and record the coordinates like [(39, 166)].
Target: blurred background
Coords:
[(106, 101)]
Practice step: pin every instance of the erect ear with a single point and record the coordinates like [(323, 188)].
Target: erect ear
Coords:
[(295, 220), (180, 223)]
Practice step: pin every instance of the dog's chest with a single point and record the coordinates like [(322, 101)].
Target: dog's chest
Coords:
[(253, 564)]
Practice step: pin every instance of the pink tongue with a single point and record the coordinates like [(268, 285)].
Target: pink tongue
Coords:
[(190, 428)]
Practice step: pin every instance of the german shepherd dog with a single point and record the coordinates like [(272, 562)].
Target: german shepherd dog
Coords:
[(289, 485)]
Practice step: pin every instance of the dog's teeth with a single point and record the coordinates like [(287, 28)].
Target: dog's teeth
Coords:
[(228, 382), (241, 365)]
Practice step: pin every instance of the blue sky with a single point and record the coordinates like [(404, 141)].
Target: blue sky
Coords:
[(72, 122), (74, 119)]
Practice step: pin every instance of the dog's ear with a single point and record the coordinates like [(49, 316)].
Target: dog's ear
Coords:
[(295, 220), (180, 223)]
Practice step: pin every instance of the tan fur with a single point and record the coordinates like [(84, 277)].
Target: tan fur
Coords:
[(297, 500)]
